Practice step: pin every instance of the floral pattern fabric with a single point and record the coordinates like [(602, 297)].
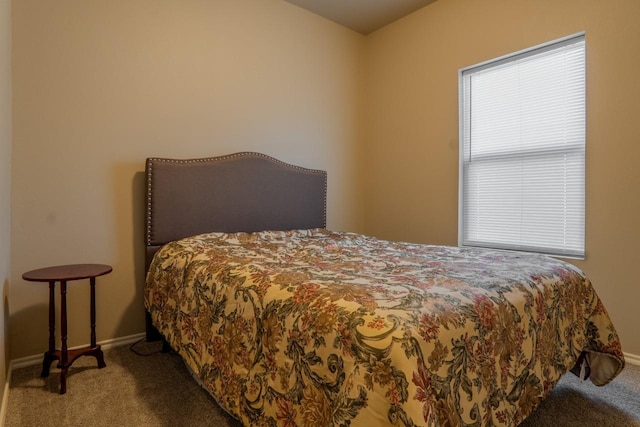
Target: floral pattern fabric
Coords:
[(321, 328)]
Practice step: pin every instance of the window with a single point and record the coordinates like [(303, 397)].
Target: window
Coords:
[(522, 150)]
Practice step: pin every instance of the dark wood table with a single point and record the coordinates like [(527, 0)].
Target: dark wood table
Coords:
[(63, 274)]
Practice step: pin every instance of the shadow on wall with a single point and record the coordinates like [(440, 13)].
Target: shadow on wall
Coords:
[(37, 314), (130, 226)]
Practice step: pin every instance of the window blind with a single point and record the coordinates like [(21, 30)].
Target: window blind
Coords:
[(523, 151)]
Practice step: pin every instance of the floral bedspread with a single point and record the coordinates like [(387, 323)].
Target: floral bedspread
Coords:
[(320, 328)]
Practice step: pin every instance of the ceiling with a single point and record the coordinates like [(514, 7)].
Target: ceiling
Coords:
[(363, 16)]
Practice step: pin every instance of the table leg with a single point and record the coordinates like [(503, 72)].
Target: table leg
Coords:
[(96, 351), (49, 356), (92, 282), (63, 333)]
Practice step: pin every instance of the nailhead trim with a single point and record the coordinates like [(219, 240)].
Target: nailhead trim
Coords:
[(245, 154)]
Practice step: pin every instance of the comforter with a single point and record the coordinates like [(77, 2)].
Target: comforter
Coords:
[(322, 328)]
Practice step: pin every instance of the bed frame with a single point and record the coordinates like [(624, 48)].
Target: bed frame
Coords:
[(244, 191)]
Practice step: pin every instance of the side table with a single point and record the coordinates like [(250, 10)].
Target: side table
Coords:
[(63, 274)]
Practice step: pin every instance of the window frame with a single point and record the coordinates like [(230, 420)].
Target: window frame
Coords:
[(496, 62)]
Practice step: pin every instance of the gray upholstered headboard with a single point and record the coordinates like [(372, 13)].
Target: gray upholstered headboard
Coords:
[(238, 192)]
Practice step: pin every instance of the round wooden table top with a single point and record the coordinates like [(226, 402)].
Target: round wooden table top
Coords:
[(67, 272)]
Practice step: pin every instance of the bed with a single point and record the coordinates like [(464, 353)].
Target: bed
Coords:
[(287, 323)]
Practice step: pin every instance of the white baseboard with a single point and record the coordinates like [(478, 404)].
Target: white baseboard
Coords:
[(633, 359), (106, 344), (37, 358)]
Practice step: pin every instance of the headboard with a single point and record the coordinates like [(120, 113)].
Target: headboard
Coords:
[(239, 192)]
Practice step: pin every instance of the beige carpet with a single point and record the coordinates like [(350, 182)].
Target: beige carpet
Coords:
[(132, 390), (157, 390)]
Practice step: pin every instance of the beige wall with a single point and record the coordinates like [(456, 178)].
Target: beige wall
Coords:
[(5, 178), (100, 85), (412, 125)]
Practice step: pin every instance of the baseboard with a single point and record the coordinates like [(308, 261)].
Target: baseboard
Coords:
[(37, 359), (633, 359), (106, 344)]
